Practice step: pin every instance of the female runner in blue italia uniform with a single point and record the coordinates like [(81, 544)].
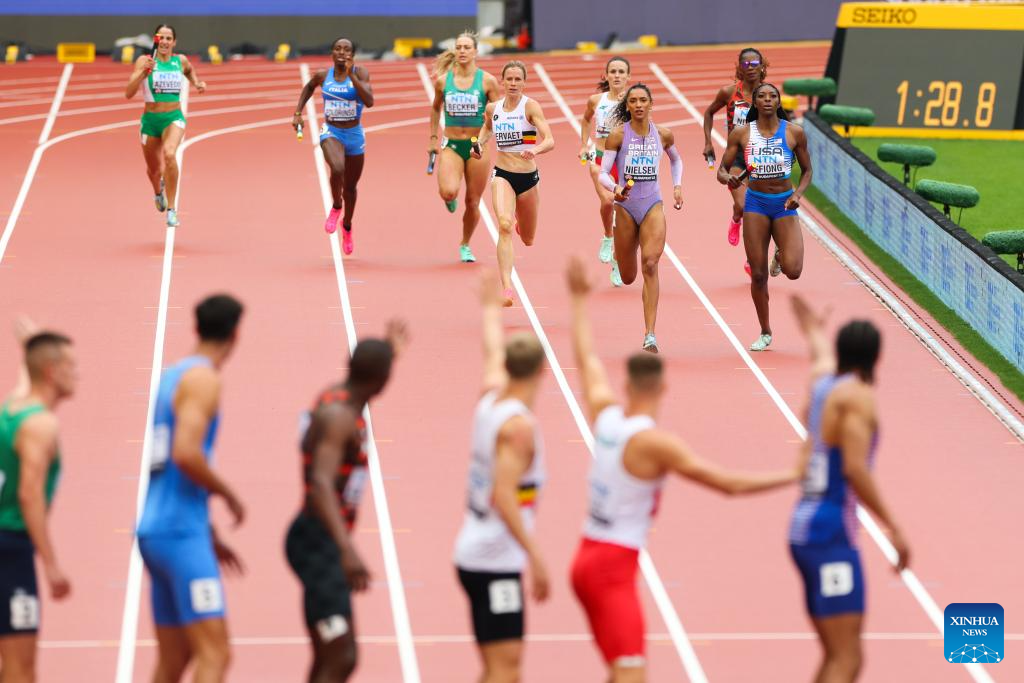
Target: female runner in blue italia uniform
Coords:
[(346, 90), (770, 143), (842, 426)]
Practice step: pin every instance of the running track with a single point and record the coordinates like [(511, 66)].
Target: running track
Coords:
[(86, 253)]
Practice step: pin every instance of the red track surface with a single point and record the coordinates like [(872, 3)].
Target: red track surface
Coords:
[(85, 256)]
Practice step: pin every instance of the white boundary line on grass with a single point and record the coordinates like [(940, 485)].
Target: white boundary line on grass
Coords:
[(920, 593), (396, 590), (683, 646)]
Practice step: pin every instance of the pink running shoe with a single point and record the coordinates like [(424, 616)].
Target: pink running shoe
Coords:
[(331, 224), (734, 232), (347, 245), (746, 268), (508, 298)]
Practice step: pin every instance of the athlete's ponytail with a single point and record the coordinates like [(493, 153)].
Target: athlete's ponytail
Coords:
[(602, 85), (446, 60), (779, 111), (621, 111)]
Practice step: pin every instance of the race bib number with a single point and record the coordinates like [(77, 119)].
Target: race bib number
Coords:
[(641, 161), (816, 477), (160, 449), (836, 579), (461, 104), (334, 626), (506, 596), (206, 596), (340, 111), (166, 82), (355, 486), (739, 115), (24, 611)]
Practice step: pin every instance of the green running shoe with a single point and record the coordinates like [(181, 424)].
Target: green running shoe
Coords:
[(650, 343), (466, 254), (172, 218), (761, 343), (616, 278), (452, 205), (606, 249)]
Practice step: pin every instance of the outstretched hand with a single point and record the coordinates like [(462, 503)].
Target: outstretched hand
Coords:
[(490, 289), (24, 328), (576, 275), (808, 319), (397, 335)]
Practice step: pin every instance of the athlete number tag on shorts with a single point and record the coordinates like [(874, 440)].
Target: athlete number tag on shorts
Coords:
[(160, 450), (836, 579), (340, 111), (206, 595), (167, 82), (506, 596), (24, 611)]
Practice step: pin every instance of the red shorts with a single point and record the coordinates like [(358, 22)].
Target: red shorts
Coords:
[(604, 578)]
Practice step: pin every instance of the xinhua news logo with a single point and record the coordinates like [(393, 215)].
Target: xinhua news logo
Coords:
[(974, 633)]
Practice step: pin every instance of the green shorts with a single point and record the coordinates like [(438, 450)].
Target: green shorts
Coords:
[(154, 123), (460, 147)]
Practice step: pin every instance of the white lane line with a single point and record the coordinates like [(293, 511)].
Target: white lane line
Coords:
[(683, 646), (37, 154), (459, 638), (392, 571), (913, 584)]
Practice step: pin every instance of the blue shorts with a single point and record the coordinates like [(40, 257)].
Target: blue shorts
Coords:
[(771, 205), (833, 579), (185, 577), (353, 139), (19, 595)]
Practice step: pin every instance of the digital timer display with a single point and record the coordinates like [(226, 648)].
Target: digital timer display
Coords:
[(933, 78)]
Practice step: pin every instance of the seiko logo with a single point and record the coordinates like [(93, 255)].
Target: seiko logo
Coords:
[(902, 17)]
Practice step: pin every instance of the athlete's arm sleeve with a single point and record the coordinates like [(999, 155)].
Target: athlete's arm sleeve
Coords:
[(676, 165), (607, 164)]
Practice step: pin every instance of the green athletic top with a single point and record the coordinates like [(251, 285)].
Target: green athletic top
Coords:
[(10, 469), (464, 108), (164, 82)]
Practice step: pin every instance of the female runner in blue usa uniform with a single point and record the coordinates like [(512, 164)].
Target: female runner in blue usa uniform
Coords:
[(346, 90), (842, 425)]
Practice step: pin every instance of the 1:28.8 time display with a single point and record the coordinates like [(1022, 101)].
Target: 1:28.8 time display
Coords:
[(946, 104)]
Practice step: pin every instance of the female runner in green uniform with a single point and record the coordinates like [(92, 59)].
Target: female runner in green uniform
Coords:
[(463, 90), (163, 123)]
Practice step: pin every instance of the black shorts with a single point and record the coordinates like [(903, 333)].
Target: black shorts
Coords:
[(316, 560), (19, 595), (520, 182), (496, 603)]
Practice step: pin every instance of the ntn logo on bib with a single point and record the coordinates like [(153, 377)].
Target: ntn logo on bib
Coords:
[(166, 82)]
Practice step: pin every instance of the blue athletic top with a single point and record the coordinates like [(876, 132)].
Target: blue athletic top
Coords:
[(826, 513), (771, 157), (341, 101), (175, 505)]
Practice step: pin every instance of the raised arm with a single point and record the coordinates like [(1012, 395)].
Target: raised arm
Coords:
[(315, 81), (24, 327), (597, 392), (36, 446), (191, 75), (361, 82), (535, 115), (194, 407), (812, 324), (495, 375), (721, 100), (143, 65), (335, 427), (513, 456), (803, 157), (675, 456), (856, 428)]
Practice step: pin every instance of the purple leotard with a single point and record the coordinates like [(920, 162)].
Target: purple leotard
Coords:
[(638, 158)]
